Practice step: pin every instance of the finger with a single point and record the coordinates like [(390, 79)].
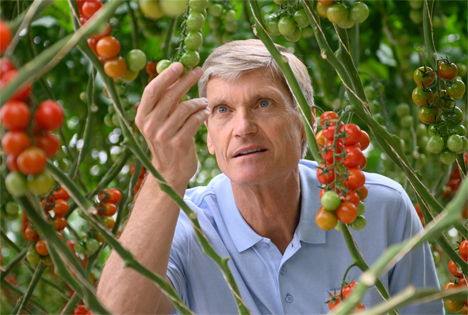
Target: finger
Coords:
[(174, 93), (181, 113), (157, 86), (191, 125)]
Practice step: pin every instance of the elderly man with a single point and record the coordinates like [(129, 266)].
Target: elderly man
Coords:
[(260, 212)]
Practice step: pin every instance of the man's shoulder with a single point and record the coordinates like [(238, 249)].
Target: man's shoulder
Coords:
[(198, 195)]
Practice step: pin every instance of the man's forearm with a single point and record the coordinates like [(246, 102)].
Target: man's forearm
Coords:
[(148, 235)]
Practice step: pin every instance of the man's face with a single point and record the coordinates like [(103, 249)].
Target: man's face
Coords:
[(253, 129)]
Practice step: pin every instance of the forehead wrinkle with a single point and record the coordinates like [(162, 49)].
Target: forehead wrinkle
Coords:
[(264, 92)]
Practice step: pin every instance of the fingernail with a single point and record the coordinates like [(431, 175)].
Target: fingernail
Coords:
[(177, 67), (197, 71)]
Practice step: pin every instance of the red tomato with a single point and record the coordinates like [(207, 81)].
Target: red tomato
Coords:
[(352, 197), (333, 301), (48, 142), (108, 47), (464, 249), (354, 157), (453, 269), (90, 7), (328, 116), (329, 132), (109, 209), (32, 161), (346, 212), (325, 177), (450, 285), (22, 94), (31, 233), (61, 194), (80, 3), (362, 193), (60, 223), (41, 248), (61, 207), (5, 36), (15, 115), (326, 220), (11, 162), (356, 179), (5, 66), (364, 163), (353, 134), (15, 142), (321, 140), (116, 67), (108, 222), (49, 115), (92, 45), (81, 310), (50, 204), (328, 155), (462, 282), (142, 171), (151, 68), (71, 245), (365, 140), (447, 70)]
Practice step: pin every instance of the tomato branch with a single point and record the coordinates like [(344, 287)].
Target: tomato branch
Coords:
[(32, 285)]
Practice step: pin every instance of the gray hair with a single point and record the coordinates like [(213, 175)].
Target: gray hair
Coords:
[(234, 59)]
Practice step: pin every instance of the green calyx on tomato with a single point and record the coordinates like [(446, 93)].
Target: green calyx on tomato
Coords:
[(422, 96), (456, 89), (447, 70), (424, 76), (453, 116)]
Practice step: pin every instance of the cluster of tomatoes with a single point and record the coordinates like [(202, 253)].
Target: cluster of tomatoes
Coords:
[(341, 175), (137, 187), (336, 297), (339, 13), (107, 48), (290, 21), (192, 38), (56, 202), (457, 305), (403, 112), (455, 180), (447, 133), (222, 21), (27, 148)]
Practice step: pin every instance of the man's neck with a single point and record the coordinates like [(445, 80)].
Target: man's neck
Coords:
[(272, 209)]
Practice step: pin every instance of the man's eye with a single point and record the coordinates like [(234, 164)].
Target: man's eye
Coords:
[(222, 109), (264, 103)]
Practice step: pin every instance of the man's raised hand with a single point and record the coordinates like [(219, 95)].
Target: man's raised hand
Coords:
[(169, 127)]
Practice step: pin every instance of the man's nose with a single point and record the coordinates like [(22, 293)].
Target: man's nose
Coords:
[(245, 123)]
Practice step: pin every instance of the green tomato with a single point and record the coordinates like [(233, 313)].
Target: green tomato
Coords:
[(80, 247), (151, 9), (432, 130), (428, 114), (307, 32), (416, 16), (295, 36), (406, 122), (422, 141), (199, 5), (359, 223), (330, 200), (322, 11), (457, 89), (136, 60), (435, 144), (40, 183), (226, 38), (457, 130), (129, 76), (271, 25), (216, 35), (465, 145), (402, 110), (421, 130), (108, 120), (33, 256), (359, 12), (15, 183), (301, 19), (173, 7), (229, 16), (447, 156), (215, 22), (279, 2), (12, 208), (422, 159), (361, 209), (162, 65), (379, 118), (337, 12), (375, 107), (454, 116), (286, 26), (231, 27), (455, 143), (190, 58), (130, 114), (92, 245), (193, 40), (116, 120), (216, 10), (405, 134), (416, 4), (347, 24), (195, 21)]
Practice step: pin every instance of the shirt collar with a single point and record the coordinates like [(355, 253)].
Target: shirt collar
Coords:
[(245, 237)]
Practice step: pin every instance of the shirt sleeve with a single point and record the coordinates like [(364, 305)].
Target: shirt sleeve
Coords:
[(417, 267), (179, 256)]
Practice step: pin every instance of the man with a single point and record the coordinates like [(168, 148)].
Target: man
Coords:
[(260, 212)]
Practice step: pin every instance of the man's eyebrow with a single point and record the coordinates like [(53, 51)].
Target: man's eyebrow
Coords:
[(258, 95)]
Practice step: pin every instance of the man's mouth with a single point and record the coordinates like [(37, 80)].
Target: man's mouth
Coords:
[(249, 152)]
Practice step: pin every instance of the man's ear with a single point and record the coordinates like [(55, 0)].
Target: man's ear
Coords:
[(208, 140)]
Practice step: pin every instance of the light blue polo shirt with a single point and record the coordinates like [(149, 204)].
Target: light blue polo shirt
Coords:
[(313, 264)]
